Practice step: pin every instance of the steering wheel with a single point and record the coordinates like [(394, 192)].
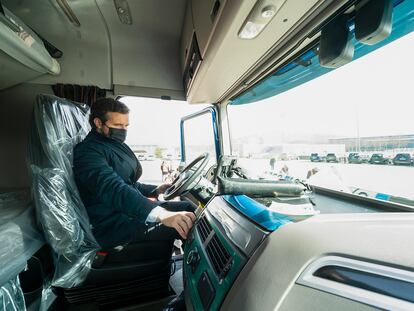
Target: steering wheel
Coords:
[(184, 181)]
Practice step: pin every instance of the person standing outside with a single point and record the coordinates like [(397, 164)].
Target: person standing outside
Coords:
[(272, 163), (165, 170)]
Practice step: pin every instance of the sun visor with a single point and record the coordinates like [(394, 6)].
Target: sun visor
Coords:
[(293, 74), (336, 47), (373, 21)]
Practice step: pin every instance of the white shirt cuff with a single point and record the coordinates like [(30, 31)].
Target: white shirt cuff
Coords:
[(153, 216)]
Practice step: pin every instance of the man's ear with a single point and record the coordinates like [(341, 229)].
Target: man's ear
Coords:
[(97, 122)]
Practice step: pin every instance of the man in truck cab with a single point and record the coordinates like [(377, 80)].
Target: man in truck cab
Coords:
[(107, 172)]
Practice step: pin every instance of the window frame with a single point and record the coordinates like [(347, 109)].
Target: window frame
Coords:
[(216, 133)]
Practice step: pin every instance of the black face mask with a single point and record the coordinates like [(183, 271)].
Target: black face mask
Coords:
[(117, 134)]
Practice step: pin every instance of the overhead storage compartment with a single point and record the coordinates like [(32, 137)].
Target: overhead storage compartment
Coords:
[(186, 35), (205, 14), (23, 55), (200, 20), (238, 41)]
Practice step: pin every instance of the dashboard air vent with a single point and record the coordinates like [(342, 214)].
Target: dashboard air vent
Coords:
[(219, 257), (204, 228)]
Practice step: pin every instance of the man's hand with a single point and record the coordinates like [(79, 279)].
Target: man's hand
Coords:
[(180, 221), (162, 188)]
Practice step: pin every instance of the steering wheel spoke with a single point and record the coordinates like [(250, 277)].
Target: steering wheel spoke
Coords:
[(184, 182)]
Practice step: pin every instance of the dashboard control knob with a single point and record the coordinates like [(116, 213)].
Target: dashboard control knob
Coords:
[(193, 258)]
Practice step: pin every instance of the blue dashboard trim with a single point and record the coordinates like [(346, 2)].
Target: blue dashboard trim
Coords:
[(292, 75), (257, 212)]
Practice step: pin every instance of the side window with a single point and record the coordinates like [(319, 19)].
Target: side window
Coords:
[(154, 134), (199, 135)]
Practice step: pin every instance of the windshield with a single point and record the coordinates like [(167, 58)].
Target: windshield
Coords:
[(341, 131)]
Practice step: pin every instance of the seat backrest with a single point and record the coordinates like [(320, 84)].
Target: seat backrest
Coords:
[(57, 126)]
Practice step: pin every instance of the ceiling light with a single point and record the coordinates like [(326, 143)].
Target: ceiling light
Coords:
[(251, 30), (259, 17), (268, 11)]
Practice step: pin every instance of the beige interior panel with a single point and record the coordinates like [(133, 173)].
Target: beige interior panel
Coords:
[(186, 35), (16, 105), (146, 53), (305, 298), (289, 250), (123, 90), (13, 72), (203, 24)]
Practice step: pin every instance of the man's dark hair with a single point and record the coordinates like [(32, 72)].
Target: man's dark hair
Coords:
[(104, 105)]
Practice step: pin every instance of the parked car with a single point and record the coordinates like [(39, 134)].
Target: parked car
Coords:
[(355, 158), (141, 157), (402, 159), (150, 157), (315, 158), (378, 158), (331, 157)]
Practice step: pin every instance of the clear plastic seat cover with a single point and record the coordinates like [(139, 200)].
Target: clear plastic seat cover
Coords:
[(57, 126)]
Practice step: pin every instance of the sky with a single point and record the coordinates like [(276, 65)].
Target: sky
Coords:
[(156, 122), (372, 95)]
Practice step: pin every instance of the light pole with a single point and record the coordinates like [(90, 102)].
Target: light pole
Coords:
[(357, 129)]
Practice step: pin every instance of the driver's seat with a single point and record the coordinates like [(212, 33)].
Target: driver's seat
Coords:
[(83, 271)]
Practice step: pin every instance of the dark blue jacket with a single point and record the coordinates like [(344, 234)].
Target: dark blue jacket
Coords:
[(106, 173)]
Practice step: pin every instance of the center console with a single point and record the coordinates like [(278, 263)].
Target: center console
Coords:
[(230, 228), (218, 247)]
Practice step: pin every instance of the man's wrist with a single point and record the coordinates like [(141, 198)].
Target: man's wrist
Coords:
[(162, 214), (153, 216)]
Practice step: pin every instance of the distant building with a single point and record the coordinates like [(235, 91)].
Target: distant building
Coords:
[(306, 149), (161, 151), (376, 143), (143, 149), (287, 150)]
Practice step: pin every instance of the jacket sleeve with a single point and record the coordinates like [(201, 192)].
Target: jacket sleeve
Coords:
[(146, 190), (92, 172)]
